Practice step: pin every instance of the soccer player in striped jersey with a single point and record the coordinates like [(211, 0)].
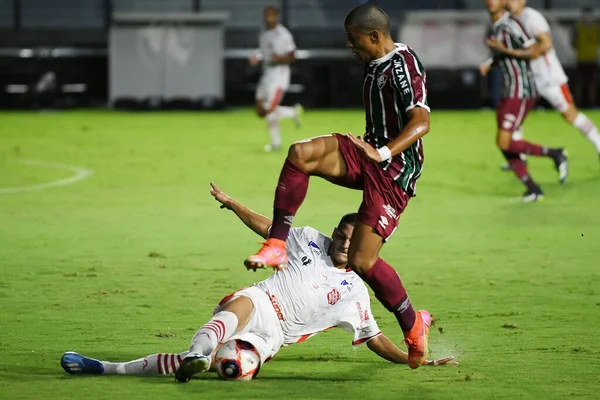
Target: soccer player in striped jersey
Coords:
[(315, 293), (549, 76), (385, 165), (512, 48)]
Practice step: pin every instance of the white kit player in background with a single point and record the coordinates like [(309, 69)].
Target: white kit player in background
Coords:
[(314, 293), (549, 76), (277, 52)]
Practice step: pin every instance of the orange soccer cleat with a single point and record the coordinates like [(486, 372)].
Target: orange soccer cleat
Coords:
[(273, 254), (417, 339)]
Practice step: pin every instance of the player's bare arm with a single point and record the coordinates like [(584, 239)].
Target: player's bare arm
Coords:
[(528, 53), (417, 127), (544, 41), (259, 224), (386, 349), (287, 58)]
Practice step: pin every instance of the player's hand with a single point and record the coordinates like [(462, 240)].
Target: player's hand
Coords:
[(254, 61), (441, 361), (368, 151), (220, 196), (495, 45), (484, 69)]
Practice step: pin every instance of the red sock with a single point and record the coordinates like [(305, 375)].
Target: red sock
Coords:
[(388, 288), (289, 195), (520, 169), (525, 147)]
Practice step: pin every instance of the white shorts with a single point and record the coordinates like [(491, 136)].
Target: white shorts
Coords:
[(270, 90), (263, 329), (559, 96)]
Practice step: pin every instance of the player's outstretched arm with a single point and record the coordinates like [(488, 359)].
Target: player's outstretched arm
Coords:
[(384, 348), (258, 223)]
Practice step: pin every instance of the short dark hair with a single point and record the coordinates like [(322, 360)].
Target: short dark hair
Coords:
[(348, 219), (367, 18), (275, 9)]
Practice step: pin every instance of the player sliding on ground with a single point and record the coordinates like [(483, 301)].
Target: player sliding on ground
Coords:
[(512, 47), (385, 166), (316, 292)]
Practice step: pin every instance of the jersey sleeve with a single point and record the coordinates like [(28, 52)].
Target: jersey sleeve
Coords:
[(358, 319), (409, 80), (537, 24), (286, 43)]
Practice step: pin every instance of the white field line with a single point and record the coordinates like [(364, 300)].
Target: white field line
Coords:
[(80, 174)]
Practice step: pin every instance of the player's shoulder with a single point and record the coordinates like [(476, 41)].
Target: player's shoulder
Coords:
[(405, 61), (282, 30), (532, 13), (309, 237)]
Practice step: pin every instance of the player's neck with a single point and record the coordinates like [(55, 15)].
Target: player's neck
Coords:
[(386, 47), (497, 15)]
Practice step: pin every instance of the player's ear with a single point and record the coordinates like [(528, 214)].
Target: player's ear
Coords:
[(375, 36)]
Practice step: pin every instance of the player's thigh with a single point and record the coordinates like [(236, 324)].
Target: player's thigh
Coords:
[(383, 203), (510, 115), (558, 96)]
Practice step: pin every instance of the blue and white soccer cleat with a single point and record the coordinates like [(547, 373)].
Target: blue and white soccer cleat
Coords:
[(76, 364)]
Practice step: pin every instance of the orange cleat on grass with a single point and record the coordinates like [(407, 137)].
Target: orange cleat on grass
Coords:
[(272, 254), (417, 339)]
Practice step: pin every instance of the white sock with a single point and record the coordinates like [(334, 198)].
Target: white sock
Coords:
[(273, 123), (155, 364), (518, 134), (219, 329), (588, 129), (285, 112)]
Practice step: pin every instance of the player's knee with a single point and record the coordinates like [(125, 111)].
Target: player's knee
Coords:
[(503, 142), (361, 262), (260, 111), (299, 153)]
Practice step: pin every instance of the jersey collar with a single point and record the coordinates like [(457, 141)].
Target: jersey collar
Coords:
[(502, 19), (389, 55)]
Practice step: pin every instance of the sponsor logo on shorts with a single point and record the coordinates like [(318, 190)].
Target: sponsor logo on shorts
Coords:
[(509, 120), (383, 221), (390, 211), (333, 297), (306, 261)]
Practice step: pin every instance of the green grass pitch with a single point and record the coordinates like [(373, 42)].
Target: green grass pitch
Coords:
[(515, 287)]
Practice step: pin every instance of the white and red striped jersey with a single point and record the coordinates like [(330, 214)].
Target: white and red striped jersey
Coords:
[(312, 295), (546, 69), (277, 41)]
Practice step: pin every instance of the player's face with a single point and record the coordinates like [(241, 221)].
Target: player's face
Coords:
[(494, 6), (340, 244), (271, 18), (361, 44), (515, 6)]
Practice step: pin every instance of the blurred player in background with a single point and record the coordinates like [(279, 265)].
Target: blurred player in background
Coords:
[(586, 41), (512, 47), (315, 293), (548, 74), (385, 166), (277, 52)]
